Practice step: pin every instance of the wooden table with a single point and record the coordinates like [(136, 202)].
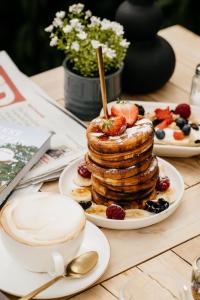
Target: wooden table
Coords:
[(169, 246)]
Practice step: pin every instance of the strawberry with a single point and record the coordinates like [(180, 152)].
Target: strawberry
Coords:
[(178, 135), (113, 125), (165, 123), (163, 114), (126, 109)]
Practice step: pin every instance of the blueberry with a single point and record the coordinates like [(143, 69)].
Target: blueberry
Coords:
[(180, 122), (160, 134), (195, 126), (85, 204), (186, 129), (197, 142), (140, 109)]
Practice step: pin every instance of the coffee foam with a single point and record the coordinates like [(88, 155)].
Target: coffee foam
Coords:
[(42, 219)]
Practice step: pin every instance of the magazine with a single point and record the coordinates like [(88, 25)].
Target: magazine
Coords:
[(20, 148), (23, 102)]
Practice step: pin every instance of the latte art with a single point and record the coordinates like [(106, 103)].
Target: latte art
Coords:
[(42, 219)]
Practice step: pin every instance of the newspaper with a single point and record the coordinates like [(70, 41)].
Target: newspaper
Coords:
[(23, 102)]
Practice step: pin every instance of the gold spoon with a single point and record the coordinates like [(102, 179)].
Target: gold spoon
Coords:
[(77, 268), (102, 81)]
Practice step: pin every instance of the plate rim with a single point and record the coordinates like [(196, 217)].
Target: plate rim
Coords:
[(129, 222), (81, 289)]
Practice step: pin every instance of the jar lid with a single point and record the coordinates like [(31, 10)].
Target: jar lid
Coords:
[(198, 69)]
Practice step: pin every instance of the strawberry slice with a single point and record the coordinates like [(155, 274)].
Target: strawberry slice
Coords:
[(113, 125), (165, 123), (163, 114), (126, 109), (178, 135)]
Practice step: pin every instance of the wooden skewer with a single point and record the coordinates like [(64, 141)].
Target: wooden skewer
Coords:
[(102, 81)]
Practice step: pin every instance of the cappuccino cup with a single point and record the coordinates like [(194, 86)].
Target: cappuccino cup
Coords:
[(43, 232)]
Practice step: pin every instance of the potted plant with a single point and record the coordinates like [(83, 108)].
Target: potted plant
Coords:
[(78, 33)]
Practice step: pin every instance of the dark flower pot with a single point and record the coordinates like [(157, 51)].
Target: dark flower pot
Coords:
[(82, 95)]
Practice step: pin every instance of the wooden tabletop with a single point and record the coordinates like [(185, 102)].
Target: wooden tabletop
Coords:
[(171, 245)]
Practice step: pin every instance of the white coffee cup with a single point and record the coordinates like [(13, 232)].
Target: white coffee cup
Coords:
[(26, 240)]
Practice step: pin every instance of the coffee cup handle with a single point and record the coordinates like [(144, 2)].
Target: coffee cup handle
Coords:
[(58, 267)]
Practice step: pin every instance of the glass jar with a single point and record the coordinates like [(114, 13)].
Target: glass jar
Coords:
[(195, 89)]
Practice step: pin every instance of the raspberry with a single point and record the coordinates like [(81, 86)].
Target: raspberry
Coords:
[(115, 212), (83, 171), (183, 110), (162, 184)]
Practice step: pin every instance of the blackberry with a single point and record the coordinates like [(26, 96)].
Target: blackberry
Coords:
[(163, 203), (85, 204), (156, 206), (156, 122), (197, 142), (141, 109)]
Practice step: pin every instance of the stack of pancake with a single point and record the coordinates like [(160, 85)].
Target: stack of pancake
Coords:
[(124, 170)]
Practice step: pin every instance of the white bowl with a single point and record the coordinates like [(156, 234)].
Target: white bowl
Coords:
[(168, 150)]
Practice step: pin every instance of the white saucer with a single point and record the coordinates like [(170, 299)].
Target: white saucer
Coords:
[(168, 150), (17, 281), (66, 184)]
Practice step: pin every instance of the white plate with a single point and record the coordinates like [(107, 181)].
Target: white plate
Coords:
[(66, 184), (169, 150), (17, 281)]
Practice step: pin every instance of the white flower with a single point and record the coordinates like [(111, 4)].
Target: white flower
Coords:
[(124, 43), (117, 28), (60, 14), (106, 24), (95, 44), (95, 21), (67, 28), (110, 53), (49, 28), (57, 22), (82, 35), (76, 8), (75, 46), (76, 24), (88, 14), (54, 41)]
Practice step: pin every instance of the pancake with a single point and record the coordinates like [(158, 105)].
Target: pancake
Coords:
[(100, 200), (121, 164), (119, 196), (133, 170), (132, 138), (149, 184), (122, 155), (138, 179)]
